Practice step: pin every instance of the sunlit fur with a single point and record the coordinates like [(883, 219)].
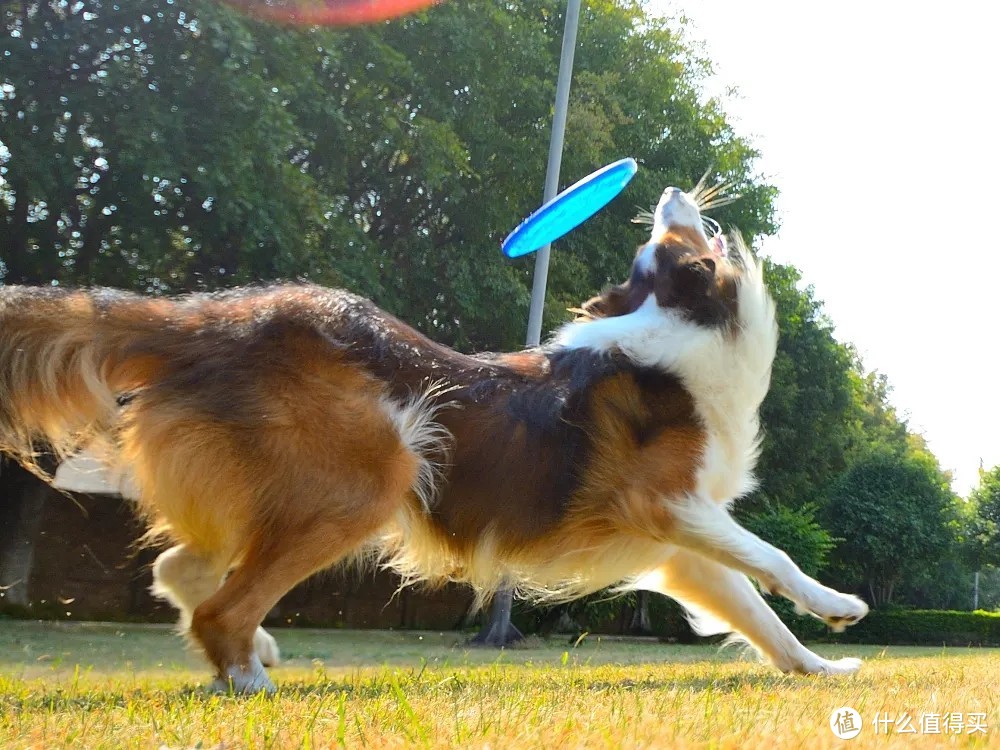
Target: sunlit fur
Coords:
[(269, 433), (727, 370)]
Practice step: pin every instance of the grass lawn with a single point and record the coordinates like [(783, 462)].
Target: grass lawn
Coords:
[(126, 686)]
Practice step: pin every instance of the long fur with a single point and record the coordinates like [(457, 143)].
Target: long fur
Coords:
[(274, 432)]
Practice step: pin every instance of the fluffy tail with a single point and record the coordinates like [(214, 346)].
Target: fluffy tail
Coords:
[(63, 362)]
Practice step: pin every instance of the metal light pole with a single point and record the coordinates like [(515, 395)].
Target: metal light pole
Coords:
[(552, 170), (499, 631)]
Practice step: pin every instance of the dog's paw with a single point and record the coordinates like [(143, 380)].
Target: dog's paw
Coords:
[(819, 665), (245, 680), (835, 609), (266, 648)]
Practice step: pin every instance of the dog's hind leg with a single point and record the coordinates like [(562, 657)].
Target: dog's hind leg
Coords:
[(722, 600), (186, 579), (706, 527), (280, 465), (320, 515), (277, 560)]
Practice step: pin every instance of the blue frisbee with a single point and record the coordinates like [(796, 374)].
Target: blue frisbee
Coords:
[(570, 208)]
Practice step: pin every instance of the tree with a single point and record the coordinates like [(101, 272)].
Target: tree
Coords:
[(873, 422), (495, 112), (984, 520), (894, 515), (163, 148), (823, 409), (145, 147), (805, 416), (795, 531)]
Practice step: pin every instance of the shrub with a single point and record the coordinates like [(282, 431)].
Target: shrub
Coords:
[(794, 531), (883, 627), (924, 627)]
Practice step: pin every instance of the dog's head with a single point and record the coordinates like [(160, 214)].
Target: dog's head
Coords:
[(681, 266)]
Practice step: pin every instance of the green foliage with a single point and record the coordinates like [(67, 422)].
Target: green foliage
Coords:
[(989, 588), (166, 146), (888, 626), (795, 531), (824, 420), (983, 526), (823, 410), (894, 515), (806, 413), (145, 147), (635, 92), (872, 422), (914, 627)]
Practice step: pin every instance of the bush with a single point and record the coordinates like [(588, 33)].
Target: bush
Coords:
[(883, 627), (795, 532), (923, 627)]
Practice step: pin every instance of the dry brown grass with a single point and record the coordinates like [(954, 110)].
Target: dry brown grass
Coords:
[(112, 686)]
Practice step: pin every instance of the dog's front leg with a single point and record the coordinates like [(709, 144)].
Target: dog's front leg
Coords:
[(722, 600), (706, 527)]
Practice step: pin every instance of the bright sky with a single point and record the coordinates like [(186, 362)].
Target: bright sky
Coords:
[(878, 122)]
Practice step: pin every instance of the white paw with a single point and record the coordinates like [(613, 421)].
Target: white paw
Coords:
[(815, 664), (835, 609), (245, 680), (848, 665), (266, 648)]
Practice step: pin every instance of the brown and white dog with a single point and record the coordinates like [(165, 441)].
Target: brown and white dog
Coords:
[(271, 433)]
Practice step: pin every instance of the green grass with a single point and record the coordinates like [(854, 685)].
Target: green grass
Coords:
[(122, 686)]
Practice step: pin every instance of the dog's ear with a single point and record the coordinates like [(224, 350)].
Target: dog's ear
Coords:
[(699, 288), (689, 280), (699, 272), (609, 304)]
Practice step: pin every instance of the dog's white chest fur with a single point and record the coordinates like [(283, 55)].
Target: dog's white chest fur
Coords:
[(727, 372)]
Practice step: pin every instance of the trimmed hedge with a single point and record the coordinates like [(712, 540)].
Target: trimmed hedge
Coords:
[(923, 627), (882, 627)]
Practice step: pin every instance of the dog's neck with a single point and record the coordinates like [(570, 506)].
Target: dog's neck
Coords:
[(725, 369)]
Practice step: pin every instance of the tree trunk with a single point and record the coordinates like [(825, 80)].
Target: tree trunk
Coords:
[(567, 623), (640, 624), (16, 235), (882, 591), (22, 500), (499, 631)]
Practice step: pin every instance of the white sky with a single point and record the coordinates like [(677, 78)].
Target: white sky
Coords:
[(878, 122)]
